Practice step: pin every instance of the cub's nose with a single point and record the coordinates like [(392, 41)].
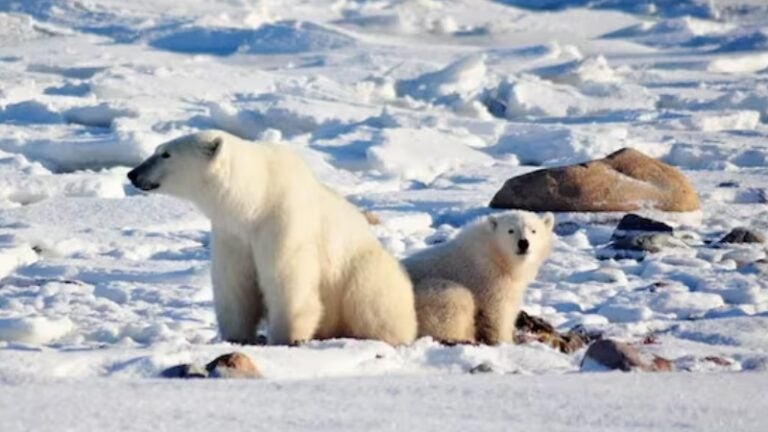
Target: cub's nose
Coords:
[(522, 245), (132, 176)]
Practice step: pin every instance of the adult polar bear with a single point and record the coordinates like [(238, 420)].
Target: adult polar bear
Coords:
[(281, 237)]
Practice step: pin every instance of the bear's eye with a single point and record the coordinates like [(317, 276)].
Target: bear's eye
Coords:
[(511, 231), (165, 155), (533, 231)]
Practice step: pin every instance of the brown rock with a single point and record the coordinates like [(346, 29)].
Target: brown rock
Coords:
[(614, 355), (232, 365), (743, 235), (626, 180)]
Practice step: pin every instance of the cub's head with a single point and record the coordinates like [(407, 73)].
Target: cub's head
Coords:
[(179, 167), (522, 235)]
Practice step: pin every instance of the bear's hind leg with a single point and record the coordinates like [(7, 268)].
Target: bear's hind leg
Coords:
[(236, 294), (378, 300), (446, 311)]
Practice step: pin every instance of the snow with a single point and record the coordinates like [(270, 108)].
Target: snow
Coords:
[(37, 330), (588, 402), (417, 111), (740, 64), (409, 154)]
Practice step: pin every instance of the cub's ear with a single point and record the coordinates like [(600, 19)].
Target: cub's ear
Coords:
[(213, 147), (493, 223), (548, 219)]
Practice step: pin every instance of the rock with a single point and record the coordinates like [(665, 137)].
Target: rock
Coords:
[(718, 360), (646, 242), (484, 367), (743, 235), (728, 184), (189, 370), (632, 222), (232, 365), (616, 355), (626, 180), (636, 236)]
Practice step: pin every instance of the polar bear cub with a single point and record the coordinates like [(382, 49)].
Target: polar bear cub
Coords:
[(283, 242), (470, 288)]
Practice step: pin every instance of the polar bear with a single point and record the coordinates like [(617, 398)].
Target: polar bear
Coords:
[(283, 242), (470, 288)]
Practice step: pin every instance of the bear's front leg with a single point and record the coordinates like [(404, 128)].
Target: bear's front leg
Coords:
[(292, 295), (236, 295)]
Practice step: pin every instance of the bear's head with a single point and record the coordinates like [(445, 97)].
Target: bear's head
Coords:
[(522, 236), (179, 167)]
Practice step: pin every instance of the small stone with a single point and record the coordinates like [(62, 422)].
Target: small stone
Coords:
[(484, 367), (728, 184), (636, 236), (633, 222), (232, 365), (743, 235), (718, 360), (616, 355), (646, 242), (189, 370)]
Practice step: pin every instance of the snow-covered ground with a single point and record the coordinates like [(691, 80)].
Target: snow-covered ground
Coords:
[(417, 110)]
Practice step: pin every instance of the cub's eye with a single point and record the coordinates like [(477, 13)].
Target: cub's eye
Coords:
[(533, 231), (165, 155), (511, 231)]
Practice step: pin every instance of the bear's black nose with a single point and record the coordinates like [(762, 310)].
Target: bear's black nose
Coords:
[(522, 245), (132, 176)]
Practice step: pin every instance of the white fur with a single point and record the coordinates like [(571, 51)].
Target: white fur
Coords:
[(477, 280), (281, 237)]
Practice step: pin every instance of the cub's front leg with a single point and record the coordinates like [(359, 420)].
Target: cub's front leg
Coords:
[(494, 322)]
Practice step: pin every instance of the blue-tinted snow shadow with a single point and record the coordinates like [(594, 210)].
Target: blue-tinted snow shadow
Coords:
[(285, 37), (665, 8)]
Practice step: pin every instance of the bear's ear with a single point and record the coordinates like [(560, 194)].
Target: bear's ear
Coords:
[(548, 219), (213, 147), (493, 223)]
